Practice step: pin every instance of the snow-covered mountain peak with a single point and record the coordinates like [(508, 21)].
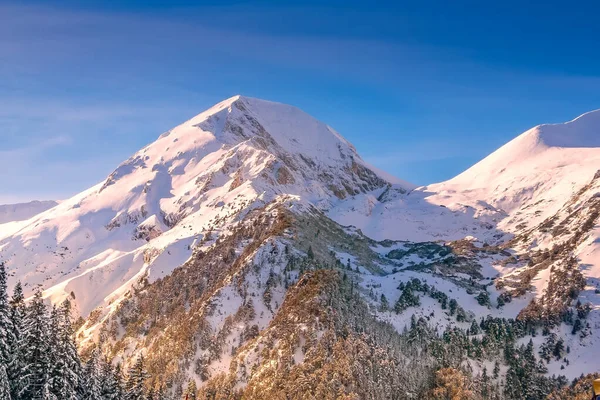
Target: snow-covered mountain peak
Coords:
[(242, 118), (582, 132), (530, 177), (200, 177), (237, 123), (542, 147)]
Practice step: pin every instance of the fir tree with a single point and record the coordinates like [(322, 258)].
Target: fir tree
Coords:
[(36, 352), (93, 377), (496, 371), (136, 380), (191, 390), (474, 330), (54, 354), (4, 384), (500, 302), (576, 326), (110, 381), (453, 305), (6, 331), (69, 378), (559, 348), (483, 298), (485, 383), (16, 365), (385, 305)]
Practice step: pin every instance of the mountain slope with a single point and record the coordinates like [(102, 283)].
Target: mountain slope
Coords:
[(546, 184), (532, 176), (251, 247), (192, 182), (23, 211)]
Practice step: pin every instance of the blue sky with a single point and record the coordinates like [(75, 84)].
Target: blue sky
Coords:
[(423, 89)]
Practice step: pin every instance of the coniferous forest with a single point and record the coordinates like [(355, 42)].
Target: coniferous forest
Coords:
[(39, 358)]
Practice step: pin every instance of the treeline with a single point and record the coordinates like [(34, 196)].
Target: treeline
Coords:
[(39, 358), (445, 361)]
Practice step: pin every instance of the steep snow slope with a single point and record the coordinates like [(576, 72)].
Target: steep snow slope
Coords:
[(544, 183), (23, 211), (520, 185), (186, 187), (416, 217), (531, 177)]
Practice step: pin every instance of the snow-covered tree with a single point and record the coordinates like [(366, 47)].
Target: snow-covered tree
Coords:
[(6, 339), (191, 390), (70, 376), (4, 384), (16, 364), (93, 375), (136, 381), (111, 381), (35, 375)]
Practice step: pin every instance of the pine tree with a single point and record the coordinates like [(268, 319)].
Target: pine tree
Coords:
[(136, 379), (6, 331), (474, 330), (385, 305), (4, 384), (93, 377), (69, 364), (191, 390), (54, 353), (485, 383), (35, 374), (559, 348), (501, 302), (496, 371), (110, 381), (120, 385), (576, 326), (39, 359), (47, 394), (483, 298), (453, 306), (16, 365)]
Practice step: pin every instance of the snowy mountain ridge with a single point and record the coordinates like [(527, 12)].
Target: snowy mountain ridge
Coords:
[(23, 211), (242, 152), (531, 177), (195, 249)]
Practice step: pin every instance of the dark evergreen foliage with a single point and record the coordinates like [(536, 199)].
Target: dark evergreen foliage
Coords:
[(39, 358)]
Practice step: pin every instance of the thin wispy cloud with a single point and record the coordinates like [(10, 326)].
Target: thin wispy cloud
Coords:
[(23, 155)]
